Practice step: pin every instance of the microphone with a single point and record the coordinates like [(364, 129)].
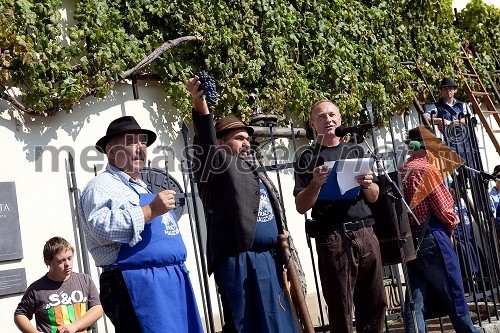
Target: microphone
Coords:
[(342, 131)]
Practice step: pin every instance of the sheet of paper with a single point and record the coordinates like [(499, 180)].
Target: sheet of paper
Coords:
[(350, 168)]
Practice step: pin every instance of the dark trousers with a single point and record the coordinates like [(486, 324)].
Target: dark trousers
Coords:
[(350, 269), (229, 326), (115, 301)]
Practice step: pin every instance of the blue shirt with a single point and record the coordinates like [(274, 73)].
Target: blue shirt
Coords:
[(111, 214), (465, 220), (497, 217), (266, 232), (458, 134), (494, 198)]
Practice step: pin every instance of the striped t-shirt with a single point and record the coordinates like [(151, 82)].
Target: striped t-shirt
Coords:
[(57, 303)]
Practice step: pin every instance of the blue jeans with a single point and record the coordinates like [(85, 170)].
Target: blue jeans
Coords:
[(428, 278)]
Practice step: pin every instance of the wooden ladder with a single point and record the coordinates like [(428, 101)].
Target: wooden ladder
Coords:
[(477, 95)]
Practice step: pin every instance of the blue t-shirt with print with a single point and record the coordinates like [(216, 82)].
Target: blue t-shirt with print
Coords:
[(266, 232)]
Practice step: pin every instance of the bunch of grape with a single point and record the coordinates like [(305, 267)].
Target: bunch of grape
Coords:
[(208, 86)]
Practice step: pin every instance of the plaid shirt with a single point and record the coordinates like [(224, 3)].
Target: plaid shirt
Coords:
[(426, 193), (111, 214)]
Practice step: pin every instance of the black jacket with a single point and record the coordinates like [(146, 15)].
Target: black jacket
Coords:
[(229, 189)]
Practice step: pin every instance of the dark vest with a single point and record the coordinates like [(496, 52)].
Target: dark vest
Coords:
[(449, 112)]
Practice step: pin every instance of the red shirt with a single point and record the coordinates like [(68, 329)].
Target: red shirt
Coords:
[(425, 192)]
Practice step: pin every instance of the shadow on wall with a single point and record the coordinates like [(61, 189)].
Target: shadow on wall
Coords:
[(36, 133)]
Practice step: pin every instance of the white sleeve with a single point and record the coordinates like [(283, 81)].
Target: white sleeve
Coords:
[(467, 109), (429, 108)]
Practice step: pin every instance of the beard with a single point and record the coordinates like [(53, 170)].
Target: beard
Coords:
[(248, 154)]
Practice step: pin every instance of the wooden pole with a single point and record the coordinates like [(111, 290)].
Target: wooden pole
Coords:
[(296, 292)]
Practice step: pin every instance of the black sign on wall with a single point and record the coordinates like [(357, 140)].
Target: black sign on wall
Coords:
[(12, 281), (10, 233)]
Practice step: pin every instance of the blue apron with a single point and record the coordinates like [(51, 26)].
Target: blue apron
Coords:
[(452, 265), (157, 279), (464, 239), (252, 281)]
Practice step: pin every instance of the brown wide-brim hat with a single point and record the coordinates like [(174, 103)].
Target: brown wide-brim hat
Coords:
[(126, 124), (229, 123)]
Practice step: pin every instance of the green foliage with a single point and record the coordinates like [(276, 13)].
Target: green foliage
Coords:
[(480, 24), (288, 53)]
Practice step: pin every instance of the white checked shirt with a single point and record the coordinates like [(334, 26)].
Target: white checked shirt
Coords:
[(111, 214)]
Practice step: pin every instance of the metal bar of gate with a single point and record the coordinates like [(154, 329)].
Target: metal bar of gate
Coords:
[(309, 244), (192, 181), (79, 233), (395, 267), (467, 177), (197, 250), (273, 146)]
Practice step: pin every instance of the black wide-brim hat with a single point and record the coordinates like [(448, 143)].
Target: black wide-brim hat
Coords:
[(126, 124), (447, 82), (229, 123)]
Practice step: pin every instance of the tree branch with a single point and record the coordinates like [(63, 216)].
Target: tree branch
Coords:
[(20, 106), (146, 61), (158, 52)]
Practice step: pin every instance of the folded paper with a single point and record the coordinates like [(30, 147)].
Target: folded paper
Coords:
[(341, 183)]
